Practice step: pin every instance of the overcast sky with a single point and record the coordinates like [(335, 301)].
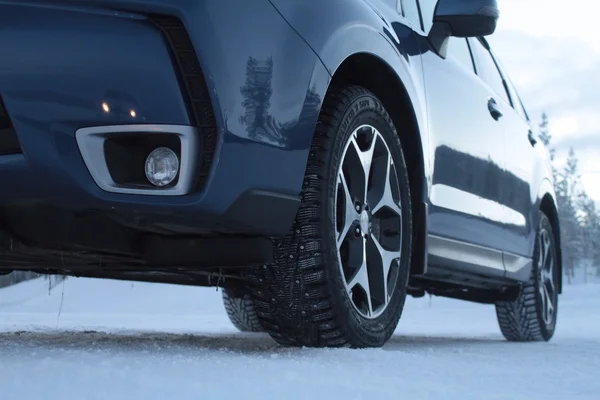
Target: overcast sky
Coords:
[(551, 50)]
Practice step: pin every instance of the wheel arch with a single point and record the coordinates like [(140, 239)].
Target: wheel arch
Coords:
[(376, 75)]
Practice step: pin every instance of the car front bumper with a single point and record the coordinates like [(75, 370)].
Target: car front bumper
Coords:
[(74, 65)]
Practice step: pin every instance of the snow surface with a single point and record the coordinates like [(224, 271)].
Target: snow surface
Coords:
[(121, 340)]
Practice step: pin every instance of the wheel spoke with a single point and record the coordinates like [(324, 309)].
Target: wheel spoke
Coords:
[(387, 198), (540, 253), (543, 299), (546, 241), (546, 288), (550, 275), (549, 307), (387, 259), (366, 159), (350, 214), (548, 264), (361, 278)]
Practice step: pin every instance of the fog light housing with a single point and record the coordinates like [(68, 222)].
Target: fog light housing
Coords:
[(162, 166)]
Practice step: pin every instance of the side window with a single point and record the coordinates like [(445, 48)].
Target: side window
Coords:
[(516, 100), (410, 10), (487, 69), (427, 10), (522, 106), (458, 49)]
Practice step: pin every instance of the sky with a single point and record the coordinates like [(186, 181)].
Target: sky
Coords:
[(551, 51)]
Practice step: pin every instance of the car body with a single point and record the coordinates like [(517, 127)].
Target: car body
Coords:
[(241, 84)]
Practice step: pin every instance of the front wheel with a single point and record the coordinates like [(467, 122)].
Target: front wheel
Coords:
[(340, 277), (532, 317)]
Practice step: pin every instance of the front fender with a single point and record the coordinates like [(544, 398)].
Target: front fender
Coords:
[(544, 189), (339, 29)]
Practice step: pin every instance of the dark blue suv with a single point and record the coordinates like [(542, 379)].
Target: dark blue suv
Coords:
[(319, 160)]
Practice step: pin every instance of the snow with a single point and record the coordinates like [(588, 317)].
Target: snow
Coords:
[(118, 340)]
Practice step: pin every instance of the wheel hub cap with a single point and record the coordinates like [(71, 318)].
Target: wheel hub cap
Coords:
[(365, 223)]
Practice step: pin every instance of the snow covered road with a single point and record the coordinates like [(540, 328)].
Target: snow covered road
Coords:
[(118, 340)]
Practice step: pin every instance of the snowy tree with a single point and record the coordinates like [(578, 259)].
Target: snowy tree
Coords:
[(545, 136), (589, 219), (564, 182), (578, 214), (566, 192)]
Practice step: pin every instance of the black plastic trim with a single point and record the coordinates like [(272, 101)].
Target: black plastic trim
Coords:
[(9, 142), (209, 252), (194, 88), (254, 213), (266, 212)]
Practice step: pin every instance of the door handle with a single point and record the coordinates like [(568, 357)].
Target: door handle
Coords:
[(494, 109)]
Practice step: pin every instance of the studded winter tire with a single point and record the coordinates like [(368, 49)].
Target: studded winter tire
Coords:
[(240, 310), (339, 278), (532, 317)]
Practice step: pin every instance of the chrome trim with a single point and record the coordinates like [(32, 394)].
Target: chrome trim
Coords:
[(515, 263), (91, 145), (465, 252)]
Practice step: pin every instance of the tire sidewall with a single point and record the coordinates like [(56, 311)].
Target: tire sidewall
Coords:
[(361, 110)]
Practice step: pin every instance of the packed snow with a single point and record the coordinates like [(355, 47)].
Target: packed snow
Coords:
[(102, 339)]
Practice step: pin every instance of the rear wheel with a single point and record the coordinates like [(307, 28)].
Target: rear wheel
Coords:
[(240, 310), (340, 277), (532, 317)]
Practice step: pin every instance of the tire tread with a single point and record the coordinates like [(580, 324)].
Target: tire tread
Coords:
[(242, 312), (520, 320)]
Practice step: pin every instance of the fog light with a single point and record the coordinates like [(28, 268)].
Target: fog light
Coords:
[(162, 166)]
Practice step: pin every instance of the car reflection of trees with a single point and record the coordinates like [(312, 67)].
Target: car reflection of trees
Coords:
[(260, 124), (457, 169)]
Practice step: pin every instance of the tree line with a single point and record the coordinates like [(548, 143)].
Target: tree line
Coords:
[(578, 214)]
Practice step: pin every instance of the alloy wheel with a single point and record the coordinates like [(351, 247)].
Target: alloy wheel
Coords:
[(368, 220), (546, 281)]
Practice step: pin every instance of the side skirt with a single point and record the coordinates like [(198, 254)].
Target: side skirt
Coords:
[(470, 272)]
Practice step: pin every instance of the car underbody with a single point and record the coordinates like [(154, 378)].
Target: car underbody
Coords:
[(112, 246)]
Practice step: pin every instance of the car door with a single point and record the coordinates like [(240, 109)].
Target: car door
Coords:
[(468, 155), (519, 196)]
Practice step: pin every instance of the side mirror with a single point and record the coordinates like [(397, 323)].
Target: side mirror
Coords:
[(462, 18), (468, 18)]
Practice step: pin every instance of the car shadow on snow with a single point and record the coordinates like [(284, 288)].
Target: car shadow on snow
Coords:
[(139, 341), (408, 342), (235, 343)]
